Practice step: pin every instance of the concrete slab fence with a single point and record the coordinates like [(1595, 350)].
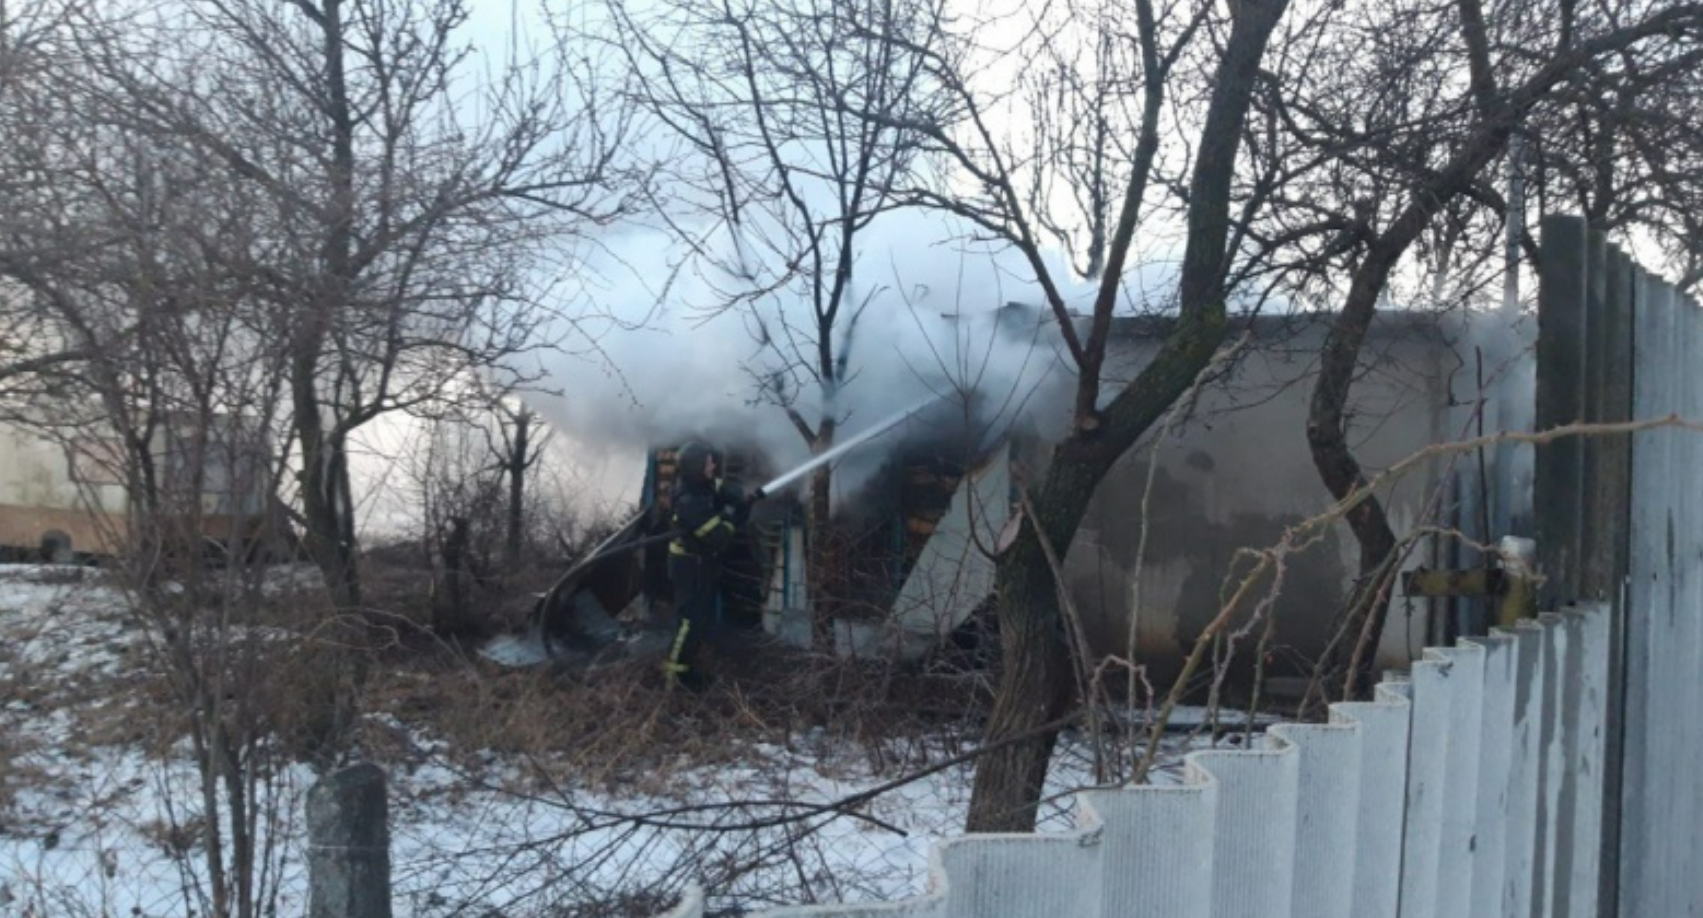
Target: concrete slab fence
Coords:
[(1450, 794)]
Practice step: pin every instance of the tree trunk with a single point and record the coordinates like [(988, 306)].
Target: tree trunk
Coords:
[(326, 492), (1327, 426), (824, 569), (517, 462), (454, 599), (1034, 678), (1327, 437), (327, 510), (823, 574), (205, 736), (1033, 687), (235, 775), (330, 702)]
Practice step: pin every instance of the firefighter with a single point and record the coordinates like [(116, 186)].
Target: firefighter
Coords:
[(707, 512)]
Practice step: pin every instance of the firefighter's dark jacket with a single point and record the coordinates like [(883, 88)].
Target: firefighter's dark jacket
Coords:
[(706, 516)]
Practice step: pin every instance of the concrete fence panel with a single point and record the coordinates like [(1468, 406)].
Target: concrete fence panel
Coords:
[(1569, 857), (1455, 860), (1495, 749), (348, 852), (1428, 758), (1678, 679), (1655, 765), (1021, 875), (1253, 856), (1327, 810), (1448, 795), (1681, 677), (1586, 709), (1159, 850), (1382, 725), (1553, 753), (1525, 764)]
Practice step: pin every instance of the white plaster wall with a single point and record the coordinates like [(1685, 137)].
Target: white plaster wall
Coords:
[(1237, 470)]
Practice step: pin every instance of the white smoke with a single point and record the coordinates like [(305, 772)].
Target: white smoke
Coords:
[(1498, 350), (663, 368), (1508, 338)]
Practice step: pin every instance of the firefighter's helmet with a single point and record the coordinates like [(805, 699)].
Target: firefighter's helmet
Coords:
[(691, 460)]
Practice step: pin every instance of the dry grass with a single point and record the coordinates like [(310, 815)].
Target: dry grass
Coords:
[(432, 702), (428, 697), (625, 728), (397, 583), (623, 725), (61, 672), (17, 773)]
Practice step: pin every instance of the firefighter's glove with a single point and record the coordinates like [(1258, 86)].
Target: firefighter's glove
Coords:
[(734, 505)]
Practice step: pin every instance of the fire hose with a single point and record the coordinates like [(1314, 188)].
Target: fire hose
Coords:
[(769, 487)]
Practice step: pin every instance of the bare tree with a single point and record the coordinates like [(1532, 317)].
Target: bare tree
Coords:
[(760, 93), (523, 440), (1411, 154), (1088, 134), (408, 209), (129, 256), (1623, 147), (32, 49), (468, 472), (989, 189)]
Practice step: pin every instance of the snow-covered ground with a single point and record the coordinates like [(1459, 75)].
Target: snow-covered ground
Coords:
[(98, 814)]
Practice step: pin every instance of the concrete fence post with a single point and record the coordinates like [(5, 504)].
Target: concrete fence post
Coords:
[(349, 845)]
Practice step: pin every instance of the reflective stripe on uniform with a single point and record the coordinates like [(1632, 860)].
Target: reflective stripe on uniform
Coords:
[(672, 666), (678, 546)]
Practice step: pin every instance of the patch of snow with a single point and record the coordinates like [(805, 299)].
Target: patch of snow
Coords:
[(90, 830), (515, 650)]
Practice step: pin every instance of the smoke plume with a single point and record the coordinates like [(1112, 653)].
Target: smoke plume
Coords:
[(667, 357)]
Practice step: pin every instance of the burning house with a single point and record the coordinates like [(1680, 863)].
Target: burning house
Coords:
[(914, 537), (908, 564)]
